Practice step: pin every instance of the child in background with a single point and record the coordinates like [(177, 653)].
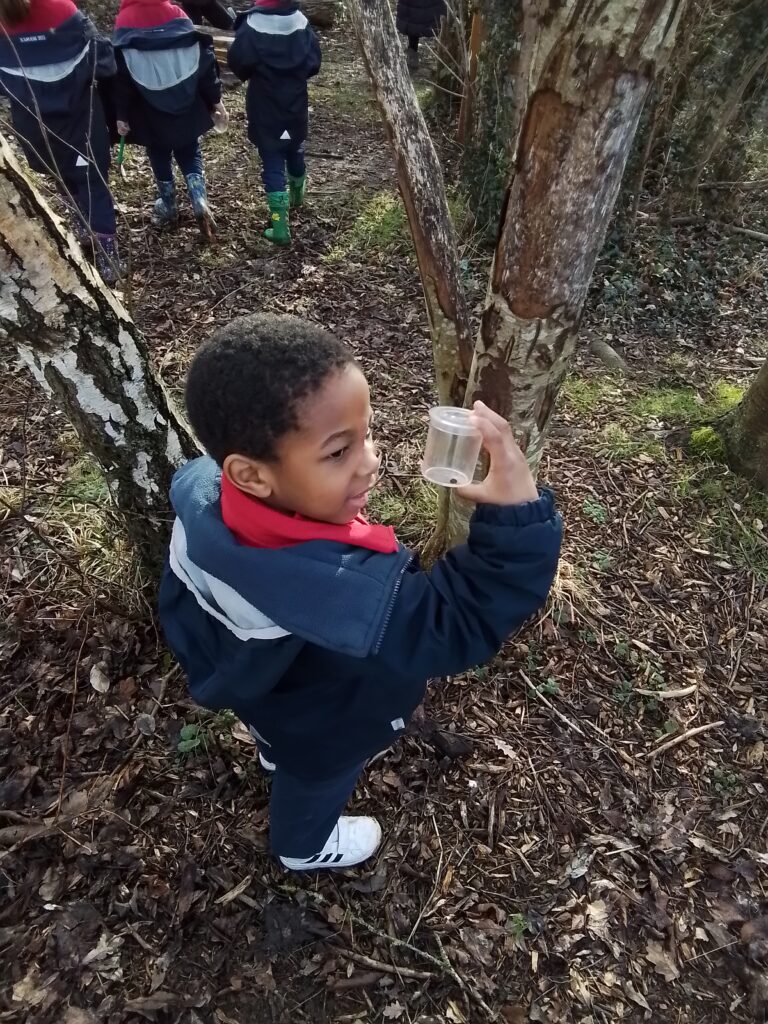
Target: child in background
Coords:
[(167, 95), (276, 51), (51, 61), (283, 603)]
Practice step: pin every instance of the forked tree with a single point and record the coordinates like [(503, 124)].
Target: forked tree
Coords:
[(581, 78)]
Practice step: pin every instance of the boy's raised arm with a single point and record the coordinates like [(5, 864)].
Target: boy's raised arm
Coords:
[(459, 614)]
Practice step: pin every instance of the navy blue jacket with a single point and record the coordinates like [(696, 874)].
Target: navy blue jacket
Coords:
[(326, 648), (419, 17), (167, 83), (276, 52), (54, 72)]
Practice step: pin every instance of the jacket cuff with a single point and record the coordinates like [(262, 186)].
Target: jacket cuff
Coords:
[(527, 514)]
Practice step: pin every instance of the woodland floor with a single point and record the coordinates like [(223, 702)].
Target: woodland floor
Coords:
[(542, 861)]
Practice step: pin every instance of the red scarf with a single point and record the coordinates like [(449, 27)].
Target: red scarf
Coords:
[(43, 16), (147, 13), (258, 526)]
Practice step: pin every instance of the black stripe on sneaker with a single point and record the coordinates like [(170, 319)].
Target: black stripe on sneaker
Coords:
[(338, 857), (311, 860), (327, 857)]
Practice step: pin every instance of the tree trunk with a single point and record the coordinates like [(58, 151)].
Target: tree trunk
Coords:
[(744, 430), (491, 113), (423, 189), (729, 107), (83, 348), (466, 113), (584, 78)]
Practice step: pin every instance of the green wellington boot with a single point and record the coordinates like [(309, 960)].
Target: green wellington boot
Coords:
[(279, 231), (297, 188)]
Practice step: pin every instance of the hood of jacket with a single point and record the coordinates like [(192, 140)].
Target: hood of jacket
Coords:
[(327, 593), (67, 42), (277, 37), (147, 13)]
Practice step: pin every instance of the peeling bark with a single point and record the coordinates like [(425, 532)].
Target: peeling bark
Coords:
[(744, 430), (584, 78), (423, 189), (84, 350)]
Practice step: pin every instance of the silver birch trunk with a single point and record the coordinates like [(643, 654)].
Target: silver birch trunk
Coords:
[(423, 189), (84, 350), (584, 76)]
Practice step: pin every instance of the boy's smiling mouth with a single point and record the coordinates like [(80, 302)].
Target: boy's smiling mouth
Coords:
[(360, 500)]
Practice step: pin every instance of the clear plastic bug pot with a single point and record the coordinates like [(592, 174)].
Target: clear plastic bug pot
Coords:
[(453, 447)]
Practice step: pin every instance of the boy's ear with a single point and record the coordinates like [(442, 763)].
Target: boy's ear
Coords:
[(249, 475)]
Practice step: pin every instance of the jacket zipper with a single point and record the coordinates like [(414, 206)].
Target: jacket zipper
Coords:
[(391, 607)]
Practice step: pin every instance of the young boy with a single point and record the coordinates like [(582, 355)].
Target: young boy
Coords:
[(166, 94), (276, 51), (281, 602)]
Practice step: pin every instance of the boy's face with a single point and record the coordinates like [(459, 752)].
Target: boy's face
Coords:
[(324, 469)]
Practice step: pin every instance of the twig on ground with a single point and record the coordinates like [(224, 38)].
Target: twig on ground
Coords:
[(442, 962), (760, 236), (67, 734), (380, 965), (677, 740), (558, 714), (683, 691)]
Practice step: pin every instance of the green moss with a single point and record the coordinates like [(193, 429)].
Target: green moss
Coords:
[(425, 94), (725, 396), (681, 405), (586, 395), (674, 405), (85, 484), (616, 444), (706, 443), (380, 228)]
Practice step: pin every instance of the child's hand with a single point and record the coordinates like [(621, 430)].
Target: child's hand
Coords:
[(509, 480), (123, 128), (220, 117)]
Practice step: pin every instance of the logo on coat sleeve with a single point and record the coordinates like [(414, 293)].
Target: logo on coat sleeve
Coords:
[(397, 724)]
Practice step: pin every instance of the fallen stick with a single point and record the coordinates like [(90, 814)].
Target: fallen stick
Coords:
[(760, 236), (677, 740), (684, 691), (380, 965), (552, 708), (442, 962)]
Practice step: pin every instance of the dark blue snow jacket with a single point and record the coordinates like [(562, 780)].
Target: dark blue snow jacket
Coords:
[(326, 648), (276, 52), (55, 74), (167, 83)]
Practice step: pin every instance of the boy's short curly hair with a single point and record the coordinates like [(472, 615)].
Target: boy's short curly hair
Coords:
[(246, 382)]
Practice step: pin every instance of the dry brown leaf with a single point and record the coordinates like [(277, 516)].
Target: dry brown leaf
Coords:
[(662, 961), (98, 678), (75, 1015), (394, 1011), (597, 919), (27, 990), (147, 1006), (505, 748)]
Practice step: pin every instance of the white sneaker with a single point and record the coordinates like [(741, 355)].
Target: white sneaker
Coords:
[(352, 841), (268, 766)]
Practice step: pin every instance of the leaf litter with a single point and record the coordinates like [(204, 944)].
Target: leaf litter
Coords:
[(539, 863)]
